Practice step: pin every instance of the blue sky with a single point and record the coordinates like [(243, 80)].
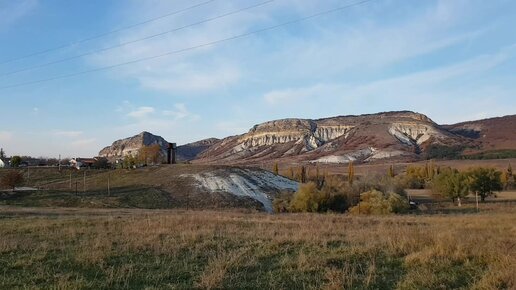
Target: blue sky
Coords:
[(453, 60)]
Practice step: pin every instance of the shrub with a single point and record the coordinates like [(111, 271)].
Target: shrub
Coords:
[(281, 203), (11, 179), (333, 196), (381, 183), (305, 199), (377, 203)]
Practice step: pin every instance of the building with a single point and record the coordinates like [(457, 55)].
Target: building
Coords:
[(2, 164), (94, 162), (79, 163)]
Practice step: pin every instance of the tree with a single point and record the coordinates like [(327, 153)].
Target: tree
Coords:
[(276, 168), (101, 163), (484, 181), (351, 173), (11, 179), (129, 161), (452, 184), (149, 154), (431, 170), (390, 173), (416, 177), (302, 174), (508, 178), (16, 161), (2, 153)]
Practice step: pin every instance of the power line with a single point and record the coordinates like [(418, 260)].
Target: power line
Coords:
[(135, 40), (107, 33), (191, 47)]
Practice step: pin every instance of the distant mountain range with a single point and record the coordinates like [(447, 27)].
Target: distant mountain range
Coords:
[(378, 137)]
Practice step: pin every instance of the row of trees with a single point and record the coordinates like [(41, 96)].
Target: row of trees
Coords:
[(303, 174), (456, 185), (382, 194), (419, 177), (340, 193)]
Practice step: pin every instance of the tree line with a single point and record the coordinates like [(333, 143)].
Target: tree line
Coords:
[(383, 194)]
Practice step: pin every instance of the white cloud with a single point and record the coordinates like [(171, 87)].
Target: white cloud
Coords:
[(458, 86), (141, 112), (290, 95), (180, 113), (190, 80), (69, 134)]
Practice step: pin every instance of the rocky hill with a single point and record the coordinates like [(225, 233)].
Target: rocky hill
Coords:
[(404, 135), (190, 151), (131, 145), (490, 134)]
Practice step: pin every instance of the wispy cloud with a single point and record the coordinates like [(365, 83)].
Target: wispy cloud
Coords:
[(141, 112), (12, 11), (459, 85), (180, 113)]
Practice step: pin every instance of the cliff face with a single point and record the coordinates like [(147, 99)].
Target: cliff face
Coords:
[(338, 139), (400, 135)]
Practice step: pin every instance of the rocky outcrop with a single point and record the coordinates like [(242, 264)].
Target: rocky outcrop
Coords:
[(306, 133), (411, 133), (339, 139), (131, 145)]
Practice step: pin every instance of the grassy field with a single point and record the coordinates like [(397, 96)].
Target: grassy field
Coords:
[(156, 249)]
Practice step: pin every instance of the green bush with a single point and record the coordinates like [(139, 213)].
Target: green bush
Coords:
[(306, 199), (375, 202), (333, 196)]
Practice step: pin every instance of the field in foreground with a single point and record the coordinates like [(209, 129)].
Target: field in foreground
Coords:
[(131, 248)]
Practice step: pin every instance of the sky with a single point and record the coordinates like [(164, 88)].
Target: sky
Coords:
[(453, 60)]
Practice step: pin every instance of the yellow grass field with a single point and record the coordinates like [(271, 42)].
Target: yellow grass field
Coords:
[(59, 248)]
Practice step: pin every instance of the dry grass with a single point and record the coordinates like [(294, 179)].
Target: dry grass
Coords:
[(120, 249)]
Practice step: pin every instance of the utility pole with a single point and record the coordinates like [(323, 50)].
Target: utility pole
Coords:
[(70, 180), (28, 174), (84, 182), (59, 163)]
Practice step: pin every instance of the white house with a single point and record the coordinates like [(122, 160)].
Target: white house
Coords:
[(2, 164)]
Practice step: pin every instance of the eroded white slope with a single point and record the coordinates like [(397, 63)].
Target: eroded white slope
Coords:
[(256, 184)]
